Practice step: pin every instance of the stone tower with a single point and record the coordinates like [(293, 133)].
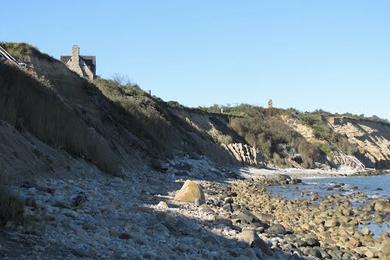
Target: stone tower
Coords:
[(74, 65), (75, 53)]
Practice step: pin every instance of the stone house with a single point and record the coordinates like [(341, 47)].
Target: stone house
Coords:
[(85, 66)]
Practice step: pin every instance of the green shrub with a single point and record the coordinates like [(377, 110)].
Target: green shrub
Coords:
[(321, 132), (17, 50), (264, 145), (310, 119), (278, 160), (326, 149)]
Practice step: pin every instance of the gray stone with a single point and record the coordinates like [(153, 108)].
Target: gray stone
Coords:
[(228, 207), (250, 237), (246, 217), (313, 251), (311, 241), (276, 229)]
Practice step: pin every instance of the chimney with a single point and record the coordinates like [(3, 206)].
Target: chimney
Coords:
[(75, 53)]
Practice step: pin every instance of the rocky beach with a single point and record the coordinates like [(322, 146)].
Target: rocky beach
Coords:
[(98, 168), (223, 216)]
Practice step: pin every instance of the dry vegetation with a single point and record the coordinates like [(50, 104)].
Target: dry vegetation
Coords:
[(264, 129), (11, 207), (23, 50), (149, 118), (28, 105), (158, 122)]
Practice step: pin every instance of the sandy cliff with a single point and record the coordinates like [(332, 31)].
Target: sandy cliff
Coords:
[(122, 128)]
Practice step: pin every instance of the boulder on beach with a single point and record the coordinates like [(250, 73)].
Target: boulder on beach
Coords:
[(247, 217), (190, 192)]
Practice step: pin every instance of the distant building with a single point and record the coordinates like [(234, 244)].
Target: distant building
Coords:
[(85, 66), (270, 105)]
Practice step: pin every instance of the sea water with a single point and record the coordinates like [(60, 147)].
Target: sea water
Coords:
[(372, 186)]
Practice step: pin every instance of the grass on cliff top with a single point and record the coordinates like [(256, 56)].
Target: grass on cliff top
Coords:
[(244, 110), (11, 207), (148, 116), (22, 51), (156, 122), (115, 90)]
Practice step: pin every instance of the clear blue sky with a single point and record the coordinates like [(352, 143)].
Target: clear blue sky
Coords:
[(327, 54)]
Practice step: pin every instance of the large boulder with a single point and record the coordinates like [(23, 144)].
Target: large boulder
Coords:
[(190, 192), (247, 217)]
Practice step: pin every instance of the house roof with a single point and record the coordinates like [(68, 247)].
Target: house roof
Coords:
[(89, 60)]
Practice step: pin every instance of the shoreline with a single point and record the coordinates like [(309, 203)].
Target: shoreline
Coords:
[(252, 172), (339, 227)]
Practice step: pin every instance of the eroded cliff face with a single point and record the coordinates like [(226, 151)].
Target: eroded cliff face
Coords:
[(119, 128), (304, 130), (371, 138), (246, 154), (216, 127)]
